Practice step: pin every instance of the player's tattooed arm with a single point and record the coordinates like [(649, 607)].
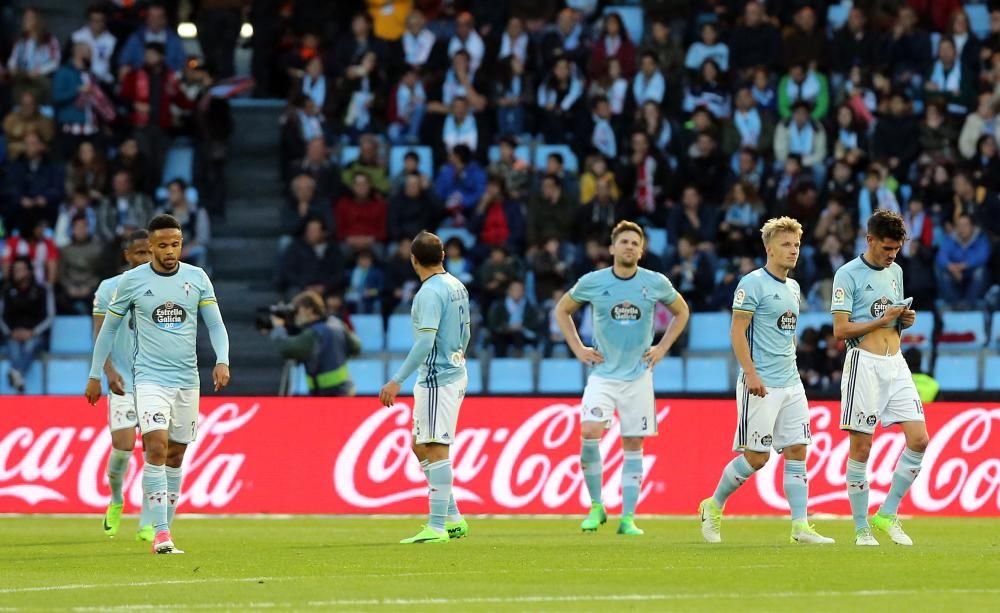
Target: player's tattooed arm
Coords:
[(742, 320), (564, 317)]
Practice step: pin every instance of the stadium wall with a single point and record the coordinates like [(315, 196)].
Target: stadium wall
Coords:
[(511, 456)]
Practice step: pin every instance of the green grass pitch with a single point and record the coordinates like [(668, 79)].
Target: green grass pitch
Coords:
[(354, 564)]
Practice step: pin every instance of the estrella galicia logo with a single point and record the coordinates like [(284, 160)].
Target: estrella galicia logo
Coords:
[(169, 316), (879, 307), (787, 322), (626, 313), (159, 418)]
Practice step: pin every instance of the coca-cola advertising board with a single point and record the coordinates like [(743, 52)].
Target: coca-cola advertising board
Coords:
[(511, 455)]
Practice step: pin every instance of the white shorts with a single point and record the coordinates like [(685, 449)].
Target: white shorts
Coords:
[(877, 388), (634, 400), (121, 412), (435, 411), (168, 408), (779, 420)]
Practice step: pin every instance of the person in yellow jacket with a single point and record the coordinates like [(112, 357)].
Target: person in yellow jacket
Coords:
[(389, 17)]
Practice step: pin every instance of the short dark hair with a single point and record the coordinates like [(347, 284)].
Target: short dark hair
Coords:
[(427, 249), (628, 226), (178, 181), (138, 235), (163, 222), (463, 153), (555, 155), (310, 300), (886, 224)]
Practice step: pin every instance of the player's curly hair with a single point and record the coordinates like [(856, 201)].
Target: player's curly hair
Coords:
[(627, 226), (887, 225), (780, 224)]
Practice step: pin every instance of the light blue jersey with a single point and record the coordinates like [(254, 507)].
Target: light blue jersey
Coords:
[(164, 310), (865, 290), (774, 305), (123, 351), (623, 317), (442, 328)]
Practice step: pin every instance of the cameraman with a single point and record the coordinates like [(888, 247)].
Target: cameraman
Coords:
[(322, 345)]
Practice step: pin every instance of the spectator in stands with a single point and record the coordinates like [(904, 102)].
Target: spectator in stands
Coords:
[(982, 204), (566, 38), (33, 244), (194, 222), (597, 132), (559, 99), (412, 209), (27, 308), (748, 127), (596, 169), (311, 261), (708, 47), (961, 266), (300, 123), (495, 274), (927, 386), (124, 212), (982, 121), (804, 137), (456, 262), (909, 46), (460, 184), (409, 102), (411, 166), (313, 84), (692, 272), (513, 95), (742, 212), (348, 57), (365, 284), (835, 219), (361, 216), (156, 31), (707, 91), (802, 84), (755, 42), (950, 80), (317, 164), (855, 44), (87, 171), (938, 133), (849, 138), (304, 203), (646, 180), (551, 214), (648, 84), (362, 97), (515, 172), (79, 205), (80, 263), (34, 185), (23, 119), (133, 161), (467, 39), (613, 42), (401, 281), (219, 24), (804, 43), (370, 163), (513, 42), (809, 358), (497, 220), (77, 97), (662, 133), (917, 255), (875, 194), (693, 218), (35, 57), (513, 322), (706, 167), (552, 265), (460, 127), (417, 41), (985, 165), (102, 43)]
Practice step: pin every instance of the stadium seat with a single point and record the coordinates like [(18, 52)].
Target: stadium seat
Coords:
[(32, 381), (921, 333), (995, 331), (179, 164), (475, 370), (510, 376), (668, 376), (633, 20), (370, 330), (709, 332), (656, 241), (521, 152), (349, 153), (398, 153), (812, 319), (71, 335), (569, 158), (191, 193), (298, 386), (962, 330), (467, 238), (979, 18), (560, 376), (400, 333), (707, 375), (407, 388), (957, 373), (368, 376), (63, 375), (991, 373)]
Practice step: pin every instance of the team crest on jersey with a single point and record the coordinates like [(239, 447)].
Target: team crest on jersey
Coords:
[(626, 313), (787, 322), (739, 297), (838, 296), (169, 316), (895, 287), (879, 307)]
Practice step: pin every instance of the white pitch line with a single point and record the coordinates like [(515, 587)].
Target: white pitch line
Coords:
[(92, 586)]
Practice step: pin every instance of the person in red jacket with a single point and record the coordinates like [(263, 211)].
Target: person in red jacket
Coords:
[(614, 42), (150, 91), (362, 216)]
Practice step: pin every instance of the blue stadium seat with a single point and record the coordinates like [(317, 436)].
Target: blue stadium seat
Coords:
[(979, 18), (63, 375), (991, 373), (521, 152), (32, 381), (400, 333), (668, 376), (569, 158), (349, 153), (510, 376), (995, 331), (298, 386), (560, 376), (370, 330), (633, 20), (709, 332), (921, 333), (707, 375), (368, 376), (957, 373), (398, 152), (179, 164), (812, 319), (962, 330), (475, 370), (71, 335), (656, 240), (467, 238), (407, 388)]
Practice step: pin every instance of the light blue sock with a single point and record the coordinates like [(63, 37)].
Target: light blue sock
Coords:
[(733, 476), (796, 488), (857, 492), (593, 468), (117, 465), (145, 513), (453, 514), (907, 469), (631, 481), (174, 478), (154, 489), (439, 477)]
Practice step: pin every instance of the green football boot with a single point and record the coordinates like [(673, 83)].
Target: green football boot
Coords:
[(628, 527), (457, 529), (145, 533), (112, 519), (595, 518), (426, 535), (891, 526), (711, 520)]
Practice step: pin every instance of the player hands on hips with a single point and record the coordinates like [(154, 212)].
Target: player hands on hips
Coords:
[(441, 330), (164, 299), (869, 311), (771, 406), (623, 299)]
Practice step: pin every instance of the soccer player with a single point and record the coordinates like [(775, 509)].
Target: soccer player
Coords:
[(164, 298), (122, 416), (623, 299), (869, 311), (771, 403), (442, 328)]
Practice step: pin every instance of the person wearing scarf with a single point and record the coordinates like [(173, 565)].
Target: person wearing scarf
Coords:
[(417, 40), (803, 85)]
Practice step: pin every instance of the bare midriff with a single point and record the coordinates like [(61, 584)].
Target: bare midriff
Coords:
[(881, 341)]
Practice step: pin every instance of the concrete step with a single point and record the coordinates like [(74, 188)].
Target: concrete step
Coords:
[(252, 257), (253, 218), (239, 300)]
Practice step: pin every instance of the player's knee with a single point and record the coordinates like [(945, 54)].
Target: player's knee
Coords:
[(919, 442), (860, 449), (592, 430), (156, 452), (795, 452), (436, 452), (756, 459)]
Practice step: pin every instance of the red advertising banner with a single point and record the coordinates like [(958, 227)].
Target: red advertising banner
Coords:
[(511, 455)]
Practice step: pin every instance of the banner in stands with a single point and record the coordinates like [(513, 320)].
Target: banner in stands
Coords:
[(511, 455)]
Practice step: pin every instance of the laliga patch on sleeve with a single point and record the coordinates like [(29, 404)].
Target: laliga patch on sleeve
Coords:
[(739, 297), (838, 296)]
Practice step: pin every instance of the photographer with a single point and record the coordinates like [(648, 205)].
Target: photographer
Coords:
[(322, 345)]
